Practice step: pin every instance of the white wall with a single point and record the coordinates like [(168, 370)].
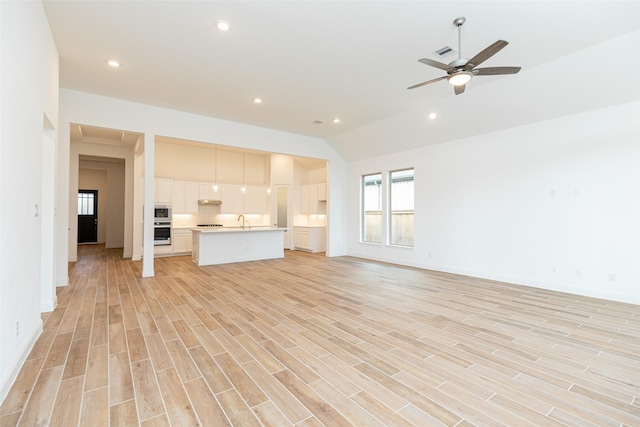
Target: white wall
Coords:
[(554, 204), (29, 109)]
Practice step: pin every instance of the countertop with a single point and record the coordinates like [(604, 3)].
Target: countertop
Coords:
[(235, 229)]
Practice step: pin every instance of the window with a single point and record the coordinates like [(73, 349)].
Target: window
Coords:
[(372, 208), (85, 203), (401, 208)]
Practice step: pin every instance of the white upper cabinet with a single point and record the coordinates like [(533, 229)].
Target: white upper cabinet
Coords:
[(312, 198), (164, 190), (206, 191), (185, 197), (252, 201), (322, 192), (255, 200), (231, 196)]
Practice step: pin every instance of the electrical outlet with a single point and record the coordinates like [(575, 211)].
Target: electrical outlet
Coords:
[(578, 272), (17, 328), (612, 277)]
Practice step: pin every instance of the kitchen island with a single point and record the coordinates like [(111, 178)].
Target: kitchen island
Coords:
[(225, 245)]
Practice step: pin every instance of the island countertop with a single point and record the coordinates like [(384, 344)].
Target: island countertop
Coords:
[(221, 245), (235, 229)]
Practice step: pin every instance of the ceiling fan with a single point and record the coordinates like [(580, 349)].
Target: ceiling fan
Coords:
[(460, 71)]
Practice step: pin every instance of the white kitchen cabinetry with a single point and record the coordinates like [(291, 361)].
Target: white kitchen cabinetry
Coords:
[(185, 197), (313, 198), (163, 250), (322, 192), (310, 239), (205, 191), (182, 241), (304, 199), (164, 189), (255, 200), (234, 201), (231, 196)]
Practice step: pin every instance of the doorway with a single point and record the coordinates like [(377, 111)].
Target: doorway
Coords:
[(87, 216)]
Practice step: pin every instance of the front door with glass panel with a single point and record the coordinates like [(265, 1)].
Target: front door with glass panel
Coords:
[(87, 216)]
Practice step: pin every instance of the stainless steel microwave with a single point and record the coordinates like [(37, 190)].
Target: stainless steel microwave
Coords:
[(162, 213)]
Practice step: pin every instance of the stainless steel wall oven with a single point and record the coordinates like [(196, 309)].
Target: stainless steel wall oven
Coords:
[(162, 225)]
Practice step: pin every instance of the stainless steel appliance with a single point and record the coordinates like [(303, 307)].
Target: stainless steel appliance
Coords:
[(162, 213), (162, 225)]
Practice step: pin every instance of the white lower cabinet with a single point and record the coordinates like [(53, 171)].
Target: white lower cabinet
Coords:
[(312, 239), (182, 241)]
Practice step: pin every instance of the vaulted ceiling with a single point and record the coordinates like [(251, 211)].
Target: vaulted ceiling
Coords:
[(316, 61)]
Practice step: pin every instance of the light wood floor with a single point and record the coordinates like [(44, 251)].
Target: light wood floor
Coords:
[(312, 341)]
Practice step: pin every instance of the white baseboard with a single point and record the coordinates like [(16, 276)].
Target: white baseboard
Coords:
[(524, 281), (63, 282), (11, 374), (47, 306)]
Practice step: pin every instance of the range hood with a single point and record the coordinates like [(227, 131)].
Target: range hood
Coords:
[(209, 202)]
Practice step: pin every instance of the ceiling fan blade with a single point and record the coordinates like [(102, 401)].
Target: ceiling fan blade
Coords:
[(494, 71), (427, 82), (485, 54), (459, 89), (436, 64)]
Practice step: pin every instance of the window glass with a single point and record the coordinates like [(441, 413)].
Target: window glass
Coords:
[(372, 208), (85, 204), (401, 208)]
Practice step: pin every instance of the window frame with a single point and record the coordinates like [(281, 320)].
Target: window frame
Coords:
[(391, 237), (363, 210)]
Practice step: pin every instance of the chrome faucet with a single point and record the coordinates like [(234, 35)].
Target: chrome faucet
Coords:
[(241, 216)]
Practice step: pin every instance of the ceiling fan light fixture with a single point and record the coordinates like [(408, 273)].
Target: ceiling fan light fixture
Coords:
[(460, 78)]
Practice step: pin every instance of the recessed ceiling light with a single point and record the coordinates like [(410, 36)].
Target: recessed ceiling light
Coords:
[(257, 100), (113, 63), (336, 120), (432, 116), (223, 25)]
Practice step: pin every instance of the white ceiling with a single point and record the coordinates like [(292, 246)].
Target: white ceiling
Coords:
[(318, 60)]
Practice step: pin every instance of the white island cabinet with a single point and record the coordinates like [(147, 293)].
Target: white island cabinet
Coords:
[(226, 245), (182, 241)]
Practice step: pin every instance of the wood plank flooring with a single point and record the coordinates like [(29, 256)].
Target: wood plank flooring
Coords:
[(311, 341)]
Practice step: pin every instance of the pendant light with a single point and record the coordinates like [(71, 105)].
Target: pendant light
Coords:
[(244, 188), (215, 169)]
